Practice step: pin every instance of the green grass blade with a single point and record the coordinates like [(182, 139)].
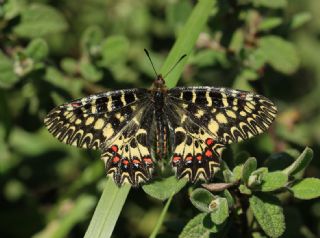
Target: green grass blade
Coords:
[(113, 198), (108, 210), (186, 40)]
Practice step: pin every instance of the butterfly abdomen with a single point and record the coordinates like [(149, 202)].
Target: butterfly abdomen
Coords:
[(159, 98)]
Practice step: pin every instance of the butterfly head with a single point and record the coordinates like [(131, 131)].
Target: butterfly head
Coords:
[(159, 82)]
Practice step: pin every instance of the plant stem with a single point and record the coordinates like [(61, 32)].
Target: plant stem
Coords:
[(161, 218)]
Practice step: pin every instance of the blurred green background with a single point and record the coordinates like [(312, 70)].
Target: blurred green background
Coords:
[(55, 51)]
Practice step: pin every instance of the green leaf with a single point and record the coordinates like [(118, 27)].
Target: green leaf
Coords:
[(7, 75), (200, 226), (237, 41), (38, 20), (308, 188), (164, 188), (300, 163), (107, 211), (90, 72), (114, 50), (270, 3), (91, 40), (244, 189), (69, 65), (272, 181), (186, 40), (229, 197), (248, 167), (220, 210), (270, 23), (202, 199), (300, 19), (37, 49), (280, 54), (237, 172), (269, 214), (255, 179), (12, 8)]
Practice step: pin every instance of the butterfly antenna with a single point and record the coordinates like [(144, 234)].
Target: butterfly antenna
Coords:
[(179, 60), (148, 55)]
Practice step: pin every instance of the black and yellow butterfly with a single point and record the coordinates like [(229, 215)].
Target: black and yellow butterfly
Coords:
[(191, 124)]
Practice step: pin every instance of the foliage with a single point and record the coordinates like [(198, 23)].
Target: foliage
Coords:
[(55, 51)]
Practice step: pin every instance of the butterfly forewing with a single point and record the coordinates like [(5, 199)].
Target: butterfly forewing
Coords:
[(229, 115)]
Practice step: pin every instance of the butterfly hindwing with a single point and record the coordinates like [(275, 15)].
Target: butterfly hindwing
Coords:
[(196, 153), (128, 155), (91, 121), (230, 115)]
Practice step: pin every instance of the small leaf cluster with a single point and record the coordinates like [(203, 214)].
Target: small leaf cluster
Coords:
[(246, 190)]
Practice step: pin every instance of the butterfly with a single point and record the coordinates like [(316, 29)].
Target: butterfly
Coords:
[(134, 128)]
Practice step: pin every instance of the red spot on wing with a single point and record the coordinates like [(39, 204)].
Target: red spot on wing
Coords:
[(147, 160), (76, 104), (189, 158), (176, 159), (125, 162), (116, 159), (209, 141), (199, 157), (208, 153), (114, 148), (136, 161)]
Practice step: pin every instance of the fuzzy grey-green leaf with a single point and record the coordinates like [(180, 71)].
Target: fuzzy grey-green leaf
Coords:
[(201, 199), (308, 188), (248, 167), (272, 181), (164, 188), (113, 50), (7, 75), (39, 20), (220, 210), (37, 49), (300, 163), (200, 226), (269, 214)]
